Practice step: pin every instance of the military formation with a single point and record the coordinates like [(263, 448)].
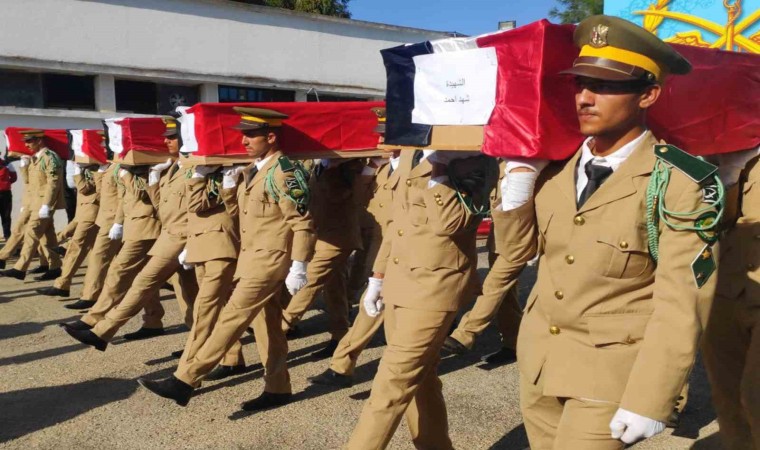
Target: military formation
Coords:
[(645, 254)]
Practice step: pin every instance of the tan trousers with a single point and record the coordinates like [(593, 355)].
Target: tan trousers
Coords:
[(731, 350), (407, 383), (499, 299), (185, 286), (124, 268), (145, 286), (251, 298), (80, 244), (99, 260), (355, 341), (67, 232), (554, 423), (17, 235), (326, 272), (33, 237), (214, 289)]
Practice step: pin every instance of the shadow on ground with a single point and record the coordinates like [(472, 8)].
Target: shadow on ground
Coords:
[(30, 410)]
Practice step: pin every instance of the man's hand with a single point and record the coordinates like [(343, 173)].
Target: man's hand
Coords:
[(730, 165), (116, 232), (154, 175), (373, 301), (296, 278), (229, 180), (182, 258), (519, 181), (25, 161), (102, 168), (44, 212), (77, 169), (203, 171), (630, 427)]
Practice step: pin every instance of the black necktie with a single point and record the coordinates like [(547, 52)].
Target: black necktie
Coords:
[(252, 174), (596, 176), (416, 158)]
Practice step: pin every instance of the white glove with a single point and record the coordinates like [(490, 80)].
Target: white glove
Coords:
[(20, 210), (182, 257), (202, 171), (44, 212), (517, 187), (730, 165), (116, 232), (77, 169), (296, 278), (373, 301), (630, 427), (123, 173), (378, 161), (154, 175), (103, 168), (229, 180), (25, 160)]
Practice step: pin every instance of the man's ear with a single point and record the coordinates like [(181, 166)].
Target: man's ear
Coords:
[(649, 96)]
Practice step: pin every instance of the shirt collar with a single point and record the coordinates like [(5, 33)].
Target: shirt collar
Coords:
[(395, 161), (39, 153), (262, 162), (613, 160)]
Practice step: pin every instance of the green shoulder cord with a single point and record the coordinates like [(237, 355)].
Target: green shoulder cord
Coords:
[(464, 193), (297, 187), (658, 212), (213, 183), (87, 175), (116, 177), (55, 162)]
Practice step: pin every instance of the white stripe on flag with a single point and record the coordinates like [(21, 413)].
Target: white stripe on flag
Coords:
[(187, 130), (115, 135), (77, 141)]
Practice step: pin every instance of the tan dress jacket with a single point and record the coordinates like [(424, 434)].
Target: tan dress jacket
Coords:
[(428, 254), (170, 200), (211, 231), (88, 199), (109, 197), (268, 228), (136, 212), (46, 182), (603, 322)]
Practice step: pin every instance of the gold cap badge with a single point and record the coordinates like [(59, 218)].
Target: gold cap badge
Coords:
[(599, 36)]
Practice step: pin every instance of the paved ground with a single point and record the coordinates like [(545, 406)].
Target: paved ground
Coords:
[(57, 394)]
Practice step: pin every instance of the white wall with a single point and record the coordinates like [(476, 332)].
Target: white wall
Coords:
[(196, 38)]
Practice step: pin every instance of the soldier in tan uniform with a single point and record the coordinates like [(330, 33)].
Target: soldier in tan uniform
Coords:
[(19, 228), (45, 175), (166, 189), (427, 269), (277, 233), (336, 217), (107, 240), (731, 347), (611, 328), (212, 247), (88, 202), (499, 300)]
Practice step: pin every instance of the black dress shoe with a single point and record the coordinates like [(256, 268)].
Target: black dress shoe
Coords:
[(81, 304), (77, 325), (144, 333), (60, 250), (177, 353), (332, 378), (327, 351), (266, 400), (171, 388), (39, 269), (53, 292), (674, 419), (221, 372), (49, 275), (293, 332), (87, 337), (2, 264), (453, 346), (503, 356), (13, 273)]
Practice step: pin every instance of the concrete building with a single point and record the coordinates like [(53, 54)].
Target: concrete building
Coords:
[(72, 63)]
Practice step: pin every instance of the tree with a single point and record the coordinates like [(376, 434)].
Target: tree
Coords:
[(337, 8), (573, 11)]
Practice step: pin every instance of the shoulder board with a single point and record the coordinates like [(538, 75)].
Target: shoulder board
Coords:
[(695, 168), (286, 165)]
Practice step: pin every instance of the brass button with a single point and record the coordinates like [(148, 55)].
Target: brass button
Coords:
[(439, 203), (400, 232), (554, 330), (437, 195), (245, 211), (381, 205), (579, 220), (559, 294), (243, 230), (623, 244), (395, 260), (570, 259), (408, 182)]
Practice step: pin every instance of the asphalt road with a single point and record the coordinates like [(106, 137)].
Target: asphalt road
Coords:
[(55, 393)]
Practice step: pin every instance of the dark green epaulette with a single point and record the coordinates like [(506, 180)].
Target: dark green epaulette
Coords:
[(697, 169)]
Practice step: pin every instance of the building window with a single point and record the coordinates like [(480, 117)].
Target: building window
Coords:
[(317, 97), (144, 97), (46, 90), (68, 91), (232, 94)]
